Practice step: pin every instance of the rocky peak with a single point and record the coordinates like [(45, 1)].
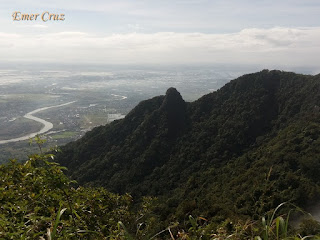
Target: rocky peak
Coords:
[(172, 99), (175, 109)]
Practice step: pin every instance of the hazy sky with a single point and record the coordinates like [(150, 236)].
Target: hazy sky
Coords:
[(270, 33)]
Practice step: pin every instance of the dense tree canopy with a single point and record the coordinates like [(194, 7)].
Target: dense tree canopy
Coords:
[(235, 152)]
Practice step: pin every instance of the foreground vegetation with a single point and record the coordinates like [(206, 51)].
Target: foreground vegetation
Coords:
[(38, 201)]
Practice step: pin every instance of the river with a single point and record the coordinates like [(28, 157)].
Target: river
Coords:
[(47, 125)]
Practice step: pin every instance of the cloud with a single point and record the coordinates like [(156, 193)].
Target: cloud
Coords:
[(277, 46), (134, 27), (36, 26)]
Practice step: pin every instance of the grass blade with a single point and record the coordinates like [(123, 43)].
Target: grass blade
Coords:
[(55, 226)]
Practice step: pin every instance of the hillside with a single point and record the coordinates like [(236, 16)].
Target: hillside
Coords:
[(236, 152)]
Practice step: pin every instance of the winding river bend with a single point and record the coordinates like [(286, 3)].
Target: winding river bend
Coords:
[(47, 125)]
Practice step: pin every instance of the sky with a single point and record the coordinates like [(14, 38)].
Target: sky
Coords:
[(271, 34)]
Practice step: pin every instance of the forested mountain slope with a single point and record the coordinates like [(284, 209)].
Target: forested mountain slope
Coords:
[(236, 152)]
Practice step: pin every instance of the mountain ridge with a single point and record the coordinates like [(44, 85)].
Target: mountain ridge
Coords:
[(182, 151)]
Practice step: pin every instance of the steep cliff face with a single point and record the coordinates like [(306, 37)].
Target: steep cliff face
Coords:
[(204, 156)]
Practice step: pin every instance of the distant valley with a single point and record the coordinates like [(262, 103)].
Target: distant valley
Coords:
[(99, 96)]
